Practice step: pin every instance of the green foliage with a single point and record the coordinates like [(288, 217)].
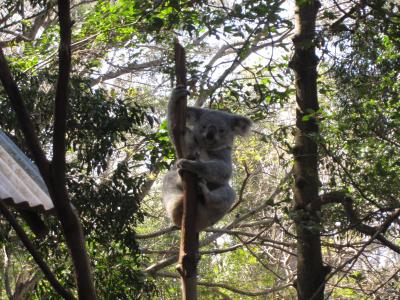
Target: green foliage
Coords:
[(360, 145), (366, 116), (106, 195), (117, 21), (117, 144)]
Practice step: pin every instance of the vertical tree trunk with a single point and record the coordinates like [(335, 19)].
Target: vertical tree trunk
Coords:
[(67, 215), (306, 214), (189, 247)]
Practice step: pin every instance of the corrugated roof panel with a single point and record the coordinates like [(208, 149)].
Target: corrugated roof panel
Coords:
[(19, 177)]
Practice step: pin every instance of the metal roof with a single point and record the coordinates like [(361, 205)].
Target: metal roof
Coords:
[(20, 179)]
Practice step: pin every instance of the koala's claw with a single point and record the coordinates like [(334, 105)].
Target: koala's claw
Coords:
[(203, 186)]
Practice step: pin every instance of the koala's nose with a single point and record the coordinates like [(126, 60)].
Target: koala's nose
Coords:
[(212, 130)]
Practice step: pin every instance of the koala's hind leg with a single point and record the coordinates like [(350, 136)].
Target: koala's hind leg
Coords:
[(219, 199)]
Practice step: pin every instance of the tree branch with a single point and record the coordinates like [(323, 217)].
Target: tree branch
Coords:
[(156, 234), (347, 202), (68, 216), (62, 90), (242, 188), (231, 288), (242, 54), (24, 119), (35, 254), (349, 263), (125, 70), (25, 288), (39, 20), (6, 271), (336, 24)]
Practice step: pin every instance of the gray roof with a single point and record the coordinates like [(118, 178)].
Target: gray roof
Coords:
[(20, 179)]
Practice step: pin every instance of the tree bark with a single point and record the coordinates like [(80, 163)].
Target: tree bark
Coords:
[(189, 247), (66, 213), (306, 213)]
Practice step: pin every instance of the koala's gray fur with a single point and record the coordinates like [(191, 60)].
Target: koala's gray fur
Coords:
[(209, 139)]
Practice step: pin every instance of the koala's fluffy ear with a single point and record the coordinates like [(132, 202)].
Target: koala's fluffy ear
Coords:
[(241, 125), (193, 115)]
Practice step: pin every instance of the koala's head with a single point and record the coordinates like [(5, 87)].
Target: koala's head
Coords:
[(215, 129)]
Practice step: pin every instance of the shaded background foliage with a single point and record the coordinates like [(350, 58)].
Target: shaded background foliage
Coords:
[(105, 195), (362, 128)]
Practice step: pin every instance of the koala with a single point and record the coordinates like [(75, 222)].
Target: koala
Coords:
[(209, 138)]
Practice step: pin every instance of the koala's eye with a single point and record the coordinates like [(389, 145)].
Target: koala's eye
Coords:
[(221, 130), (204, 126)]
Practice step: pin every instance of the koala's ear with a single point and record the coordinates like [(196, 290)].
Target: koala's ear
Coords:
[(193, 115), (241, 125)]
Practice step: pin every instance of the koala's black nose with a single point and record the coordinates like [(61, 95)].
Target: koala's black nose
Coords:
[(212, 130)]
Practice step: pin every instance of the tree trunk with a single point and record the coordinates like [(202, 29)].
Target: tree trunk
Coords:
[(306, 213), (189, 246)]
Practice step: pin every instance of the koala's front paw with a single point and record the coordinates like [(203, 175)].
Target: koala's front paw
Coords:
[(180, 91), (185, 164)]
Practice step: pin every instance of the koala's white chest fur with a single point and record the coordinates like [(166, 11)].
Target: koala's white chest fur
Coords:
[(203, 155)]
